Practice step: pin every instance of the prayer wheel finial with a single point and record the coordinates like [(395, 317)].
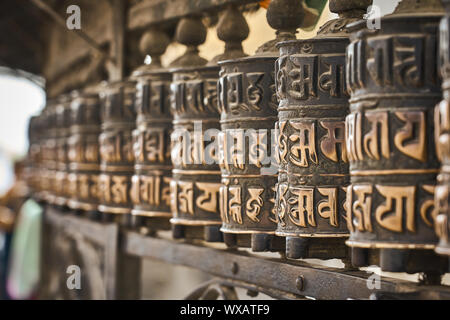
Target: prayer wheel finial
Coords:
[(190, 32), (285, 16), (232, 29), (154, 43)]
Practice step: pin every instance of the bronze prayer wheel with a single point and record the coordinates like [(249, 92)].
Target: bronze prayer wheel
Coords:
[(195, 181), (195, 185), (62, 133), (393, 82), (151, 138), (442, 136), (32, 161), (83, 151), (248, 106), (49, 156), (314, 171), (118, 120)]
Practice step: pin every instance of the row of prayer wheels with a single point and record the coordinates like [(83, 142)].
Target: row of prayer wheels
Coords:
[(329, 147)]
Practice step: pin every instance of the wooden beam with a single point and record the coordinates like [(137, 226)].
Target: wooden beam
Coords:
[(150, 12)]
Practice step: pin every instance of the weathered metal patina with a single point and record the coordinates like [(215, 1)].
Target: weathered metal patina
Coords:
[(83, 153), (248, 106), (151, 138), (313, 175), (196, 176), (118, 120), (394, 86)]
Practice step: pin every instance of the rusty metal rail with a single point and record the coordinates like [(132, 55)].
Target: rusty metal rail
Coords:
[(276, 277)]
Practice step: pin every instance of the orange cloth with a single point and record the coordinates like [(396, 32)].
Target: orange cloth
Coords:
[(264, 3)]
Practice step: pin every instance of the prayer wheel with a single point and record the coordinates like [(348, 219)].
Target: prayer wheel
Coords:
[(195, 184), (49, 162), (83, 152), (33, 154), (151, 138), (248, 106), (118, 120), (394, 86), (314, 171), (442, 136), (62, 133)]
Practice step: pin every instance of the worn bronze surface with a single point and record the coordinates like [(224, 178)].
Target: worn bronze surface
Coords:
[(83, 153), (151, 138), (49, 152), (442, 136), (32, 161), (62, 133), (195, 186), (394, 86), (313, 105), (118, 120), (248, 106)]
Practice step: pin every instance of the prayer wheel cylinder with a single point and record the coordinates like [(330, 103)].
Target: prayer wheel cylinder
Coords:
[(248, 104), (393, 83), (62, 132), (151, 138), (314, 171), (84, 154), (196, 174), (442, 136), (118, 120)]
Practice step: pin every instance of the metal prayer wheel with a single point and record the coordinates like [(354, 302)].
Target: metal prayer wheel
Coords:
[(49, 152), (83, 151), (151, 138), (118, 120), (248, 106), (442, 136), (393, 82), (33, 155), (195, 184), (62, 133), (313, 173)]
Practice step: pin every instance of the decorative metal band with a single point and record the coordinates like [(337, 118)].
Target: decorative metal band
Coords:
[(311, 235), (394, 171), (234, 231), (390, 245), (113, 210), (194, 222), (144, 213)]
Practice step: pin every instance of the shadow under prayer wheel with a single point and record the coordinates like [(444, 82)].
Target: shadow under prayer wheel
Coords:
[(83, 154), (314, 171), (442, 136), (118, 120), (394, 86)]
